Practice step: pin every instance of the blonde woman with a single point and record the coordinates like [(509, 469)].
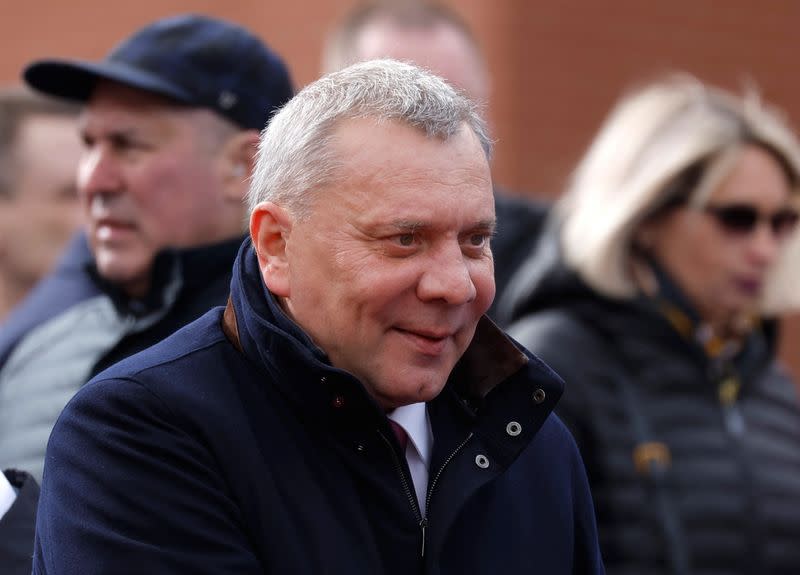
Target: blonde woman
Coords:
[(654, 297)]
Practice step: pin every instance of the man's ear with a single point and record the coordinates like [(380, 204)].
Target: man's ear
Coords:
[(270, 227), (238, 161)]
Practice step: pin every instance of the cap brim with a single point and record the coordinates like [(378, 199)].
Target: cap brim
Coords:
[(75, 80)]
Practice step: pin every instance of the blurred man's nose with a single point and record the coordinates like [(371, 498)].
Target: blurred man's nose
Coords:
[(447, 277), (98, 172)]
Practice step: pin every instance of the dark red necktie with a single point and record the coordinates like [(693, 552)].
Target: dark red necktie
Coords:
[(400, 434)]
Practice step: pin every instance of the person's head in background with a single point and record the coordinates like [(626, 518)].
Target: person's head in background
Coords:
[(170, 126), (428, 34), (695, 183), (39, 210)]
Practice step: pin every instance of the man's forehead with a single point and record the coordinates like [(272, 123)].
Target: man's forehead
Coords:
[(38, 133), (108, 91), (42, 125), (135, 109), (393, 147)]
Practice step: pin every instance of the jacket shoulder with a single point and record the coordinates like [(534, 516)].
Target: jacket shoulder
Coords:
[(193, 337)]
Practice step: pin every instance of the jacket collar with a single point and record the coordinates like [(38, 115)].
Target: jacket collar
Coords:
[(173, 270), (494, 403)]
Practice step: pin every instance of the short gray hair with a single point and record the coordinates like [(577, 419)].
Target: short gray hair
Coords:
[(295, 155), (670, 139)]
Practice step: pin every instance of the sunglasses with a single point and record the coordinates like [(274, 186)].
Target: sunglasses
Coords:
[(741, 219)]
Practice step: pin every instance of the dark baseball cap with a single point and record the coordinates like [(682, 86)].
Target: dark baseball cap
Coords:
[(192, 59)]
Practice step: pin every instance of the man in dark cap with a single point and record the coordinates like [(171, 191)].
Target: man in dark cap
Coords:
[(170, 125)]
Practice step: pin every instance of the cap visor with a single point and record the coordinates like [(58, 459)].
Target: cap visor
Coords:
[(75, 80)]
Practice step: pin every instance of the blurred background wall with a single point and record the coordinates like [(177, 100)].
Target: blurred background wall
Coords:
[(557, 65)]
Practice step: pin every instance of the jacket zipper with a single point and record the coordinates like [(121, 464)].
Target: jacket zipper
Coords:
[(412, 498), (441, 469), (422, 521)]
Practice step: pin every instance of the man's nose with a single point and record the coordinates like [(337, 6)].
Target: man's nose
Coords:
[(447, 277), (98, 172)]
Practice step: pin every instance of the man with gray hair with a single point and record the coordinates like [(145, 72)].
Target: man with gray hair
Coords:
[(351, 410)]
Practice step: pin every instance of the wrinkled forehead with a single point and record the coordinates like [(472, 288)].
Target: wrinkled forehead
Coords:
[(398, 169), (386, 147)]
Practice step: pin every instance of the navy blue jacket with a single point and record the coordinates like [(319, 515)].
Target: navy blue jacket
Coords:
[(234, 447)]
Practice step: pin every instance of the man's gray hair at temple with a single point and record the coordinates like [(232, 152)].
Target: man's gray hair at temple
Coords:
[(295, 155)]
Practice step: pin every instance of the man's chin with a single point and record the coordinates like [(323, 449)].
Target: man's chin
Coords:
[(394, 398), (131, 279)]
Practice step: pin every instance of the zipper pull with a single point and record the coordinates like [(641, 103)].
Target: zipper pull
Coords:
[(423, 524)]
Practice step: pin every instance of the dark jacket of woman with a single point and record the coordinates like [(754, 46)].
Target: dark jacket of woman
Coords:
[(694, 462)]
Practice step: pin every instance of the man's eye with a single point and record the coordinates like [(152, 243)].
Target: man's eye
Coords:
[(405, 239), (478, 240)]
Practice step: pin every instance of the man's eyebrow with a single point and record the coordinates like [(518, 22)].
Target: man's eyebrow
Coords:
[(489, 224), (120, 134), (409, 225)]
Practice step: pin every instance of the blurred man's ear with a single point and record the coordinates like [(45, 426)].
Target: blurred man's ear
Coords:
[(238, 159), (270, 226)]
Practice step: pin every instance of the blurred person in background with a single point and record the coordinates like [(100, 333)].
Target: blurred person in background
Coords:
[(39, 209), (170, 126), (435, 37), (655, 294)]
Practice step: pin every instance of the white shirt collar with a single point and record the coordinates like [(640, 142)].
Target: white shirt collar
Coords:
[(414, 419)]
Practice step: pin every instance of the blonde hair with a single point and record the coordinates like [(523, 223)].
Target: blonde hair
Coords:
[(650, 142)]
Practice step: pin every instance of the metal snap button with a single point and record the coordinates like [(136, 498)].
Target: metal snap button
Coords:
[(323, 380), (481, 461), (513, 428), (539, 395)]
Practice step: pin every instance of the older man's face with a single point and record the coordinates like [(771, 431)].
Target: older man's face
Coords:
[(393, 270), (149, 179)]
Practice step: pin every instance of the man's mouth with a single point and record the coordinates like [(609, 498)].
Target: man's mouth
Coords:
[(427, 342), (110, 229)]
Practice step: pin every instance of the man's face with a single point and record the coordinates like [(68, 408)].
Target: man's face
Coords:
[(43, 212), (148, 179), (393, 269)]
